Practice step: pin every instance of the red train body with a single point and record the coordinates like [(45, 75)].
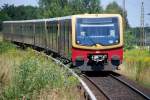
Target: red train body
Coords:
[(84, 53)]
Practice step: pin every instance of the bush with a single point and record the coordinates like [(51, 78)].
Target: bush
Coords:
[(128, 40), (35, 73), (139, 62), (6, 46)]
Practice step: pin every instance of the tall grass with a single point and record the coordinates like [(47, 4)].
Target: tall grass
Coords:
[(6, 46), (137, 65), (33, 76), (1, 37)]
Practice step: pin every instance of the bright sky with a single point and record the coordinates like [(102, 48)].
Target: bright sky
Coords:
[(132, 7)]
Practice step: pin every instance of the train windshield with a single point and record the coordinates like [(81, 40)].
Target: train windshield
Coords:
[(92, 31)]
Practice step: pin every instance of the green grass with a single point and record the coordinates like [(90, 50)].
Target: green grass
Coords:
[(26, 74), (6, 46), (1, 38), (137, 66)]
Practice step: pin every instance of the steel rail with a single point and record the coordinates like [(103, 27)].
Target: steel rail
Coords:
[(101, 90), (131, 87)]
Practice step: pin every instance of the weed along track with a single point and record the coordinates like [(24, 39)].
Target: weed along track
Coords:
[(84, 89), (27, 75)]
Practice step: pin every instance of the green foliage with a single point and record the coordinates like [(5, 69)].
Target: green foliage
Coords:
[(86, 6), (3, 16), (137, 53), (128, 40), (139, 61), (11, 12), (55, 8), (35, 73), (6, 46), (21, 12), (114, 8)]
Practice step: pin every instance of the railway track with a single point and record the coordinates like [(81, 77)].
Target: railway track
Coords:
[(107, 86)]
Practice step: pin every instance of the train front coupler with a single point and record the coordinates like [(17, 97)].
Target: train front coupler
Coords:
[(98, 58)]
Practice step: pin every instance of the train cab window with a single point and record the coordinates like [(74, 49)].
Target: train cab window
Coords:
[(102, 31)]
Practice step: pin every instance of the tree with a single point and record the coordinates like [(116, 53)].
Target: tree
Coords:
[(86, 6), (10, 12), (25, 13), (129, 41), (114, 8), (94, 6), (54, 8), (3, 16), (20, 12)]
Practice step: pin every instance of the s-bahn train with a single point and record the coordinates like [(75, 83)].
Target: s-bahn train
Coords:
[(91, 42)]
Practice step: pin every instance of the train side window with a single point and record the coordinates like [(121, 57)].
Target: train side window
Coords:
[(62, 37), (56, 40), (30, 29), (55, 34), (50, 37), (52, 33)]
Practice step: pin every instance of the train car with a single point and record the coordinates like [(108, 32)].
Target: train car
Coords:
[(93, 42)]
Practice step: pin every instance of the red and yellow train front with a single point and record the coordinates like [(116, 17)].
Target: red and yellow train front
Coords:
[(97, 41)]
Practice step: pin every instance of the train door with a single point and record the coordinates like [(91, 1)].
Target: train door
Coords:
[(43, 34), (70, 38), (46, 35), (58, 36), (61, 38), (55, 31), (37, 28), (33, 24), (66, 37), (48, 32)]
